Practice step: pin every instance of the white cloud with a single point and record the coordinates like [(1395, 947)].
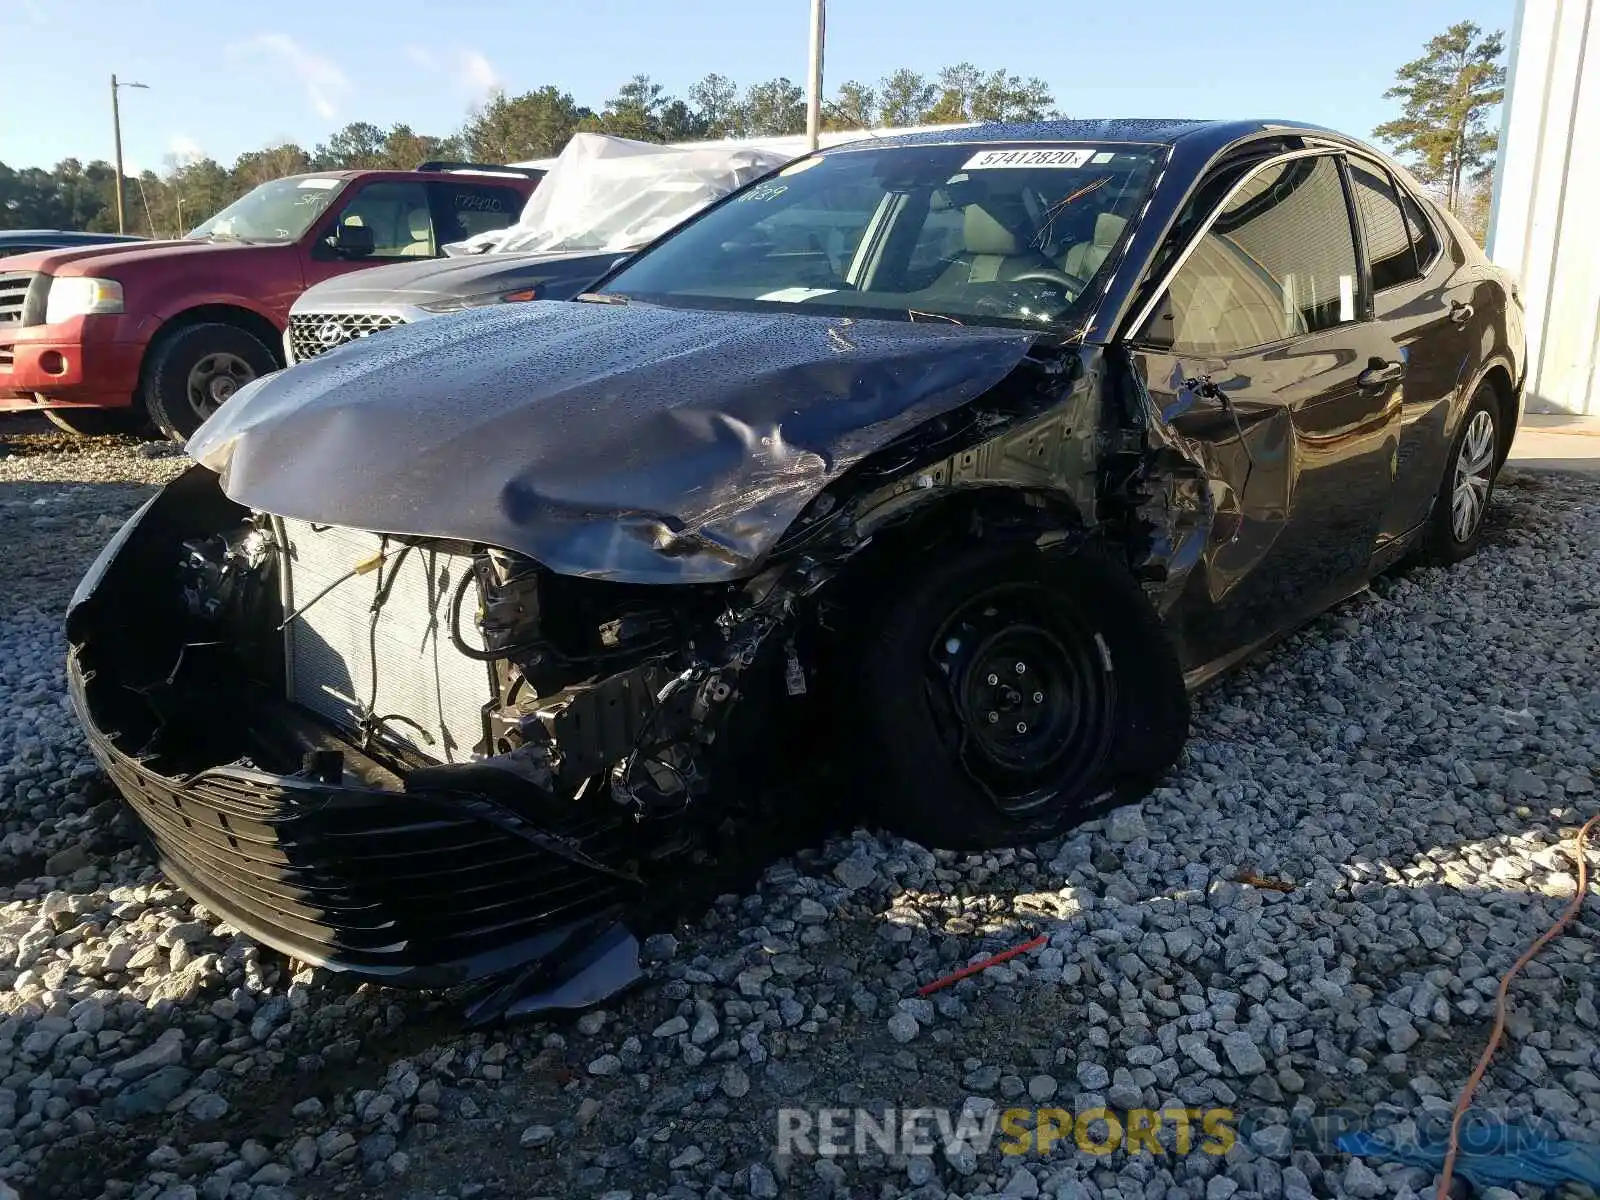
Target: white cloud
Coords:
[(184, 149), (476, 73), (326, 85), (470, 70)]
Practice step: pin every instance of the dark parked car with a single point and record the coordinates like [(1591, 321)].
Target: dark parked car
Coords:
[(965, 455), (26, 241)]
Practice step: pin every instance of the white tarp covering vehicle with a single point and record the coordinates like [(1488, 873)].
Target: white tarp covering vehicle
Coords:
[(603, 197)]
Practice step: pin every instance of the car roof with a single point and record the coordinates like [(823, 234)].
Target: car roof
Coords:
[(1133, 130)]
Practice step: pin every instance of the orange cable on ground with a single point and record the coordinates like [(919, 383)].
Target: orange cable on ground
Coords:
[(1464, 1100), (993, 960)]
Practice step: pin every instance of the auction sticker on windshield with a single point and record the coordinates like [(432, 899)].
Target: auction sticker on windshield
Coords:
[(994, 160)]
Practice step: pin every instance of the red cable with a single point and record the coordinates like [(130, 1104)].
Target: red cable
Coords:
[(982, 965), (1464, 1100)]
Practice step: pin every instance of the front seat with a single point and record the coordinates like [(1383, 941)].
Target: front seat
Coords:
[(992, 249), (421, 225), (1084, 259)]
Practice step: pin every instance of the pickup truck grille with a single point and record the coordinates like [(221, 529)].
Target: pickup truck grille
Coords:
[(14, 287), (311, 334)]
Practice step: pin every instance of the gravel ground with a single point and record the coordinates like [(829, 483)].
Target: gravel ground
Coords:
[(1410, 765)]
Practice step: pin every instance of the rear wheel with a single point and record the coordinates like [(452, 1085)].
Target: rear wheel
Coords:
[(1456, 524), (1012, 693), (197, 369), (98, 422)]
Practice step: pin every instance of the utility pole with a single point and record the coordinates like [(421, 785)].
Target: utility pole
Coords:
[(116, 130), (819, 22)]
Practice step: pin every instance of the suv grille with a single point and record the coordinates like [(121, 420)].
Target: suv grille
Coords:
[(311, 334), (14, 296)]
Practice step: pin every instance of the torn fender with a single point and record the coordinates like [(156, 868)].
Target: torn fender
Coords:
[(624, 442)]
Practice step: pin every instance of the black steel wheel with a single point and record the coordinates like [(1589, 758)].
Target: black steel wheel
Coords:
[(1022, 686), (1006, 693)]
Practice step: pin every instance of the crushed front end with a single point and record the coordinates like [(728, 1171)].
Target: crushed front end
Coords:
[(417, 760)]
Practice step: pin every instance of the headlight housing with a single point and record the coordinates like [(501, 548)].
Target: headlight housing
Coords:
[(457, 303), (77, 296)]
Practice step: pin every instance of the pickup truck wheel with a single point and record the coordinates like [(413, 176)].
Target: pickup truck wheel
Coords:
[(1010, 693), (196, 370), (98, 422)]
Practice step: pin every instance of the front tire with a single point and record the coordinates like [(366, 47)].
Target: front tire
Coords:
[(195, 370), (1012, 693), (1455, 526)]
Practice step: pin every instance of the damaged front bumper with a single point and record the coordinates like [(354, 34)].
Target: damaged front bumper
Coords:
[(337, 853), (399, 887)]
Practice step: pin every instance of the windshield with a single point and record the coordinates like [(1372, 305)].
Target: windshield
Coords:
[(279, 211), (1012, 234)]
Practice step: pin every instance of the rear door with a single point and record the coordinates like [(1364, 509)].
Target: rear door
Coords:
[(462, 210), (1418, 307), (1267, 368)]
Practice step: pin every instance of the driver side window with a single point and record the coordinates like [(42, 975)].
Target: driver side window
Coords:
[(398, 215), (1278, 262)]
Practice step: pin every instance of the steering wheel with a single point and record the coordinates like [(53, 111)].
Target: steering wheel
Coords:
[(1075, 286)]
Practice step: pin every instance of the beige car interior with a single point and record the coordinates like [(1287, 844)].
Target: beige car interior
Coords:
[(999, 242)]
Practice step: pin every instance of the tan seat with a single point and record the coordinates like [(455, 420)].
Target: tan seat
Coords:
[(991, 249), (421, 226), (1084, 259)]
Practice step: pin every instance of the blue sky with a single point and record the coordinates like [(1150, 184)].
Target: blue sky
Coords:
[(231, 77)]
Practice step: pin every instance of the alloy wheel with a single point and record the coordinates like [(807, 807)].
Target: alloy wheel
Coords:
[(1474, 475)]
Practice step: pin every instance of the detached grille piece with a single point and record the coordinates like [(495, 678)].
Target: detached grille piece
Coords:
[(429, 695), (311, 334), (14, 297)]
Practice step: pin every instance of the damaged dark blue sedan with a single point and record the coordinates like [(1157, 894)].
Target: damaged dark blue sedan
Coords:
[(958, 459)]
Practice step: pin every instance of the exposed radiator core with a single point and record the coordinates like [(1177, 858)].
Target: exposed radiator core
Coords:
[(429, 695)]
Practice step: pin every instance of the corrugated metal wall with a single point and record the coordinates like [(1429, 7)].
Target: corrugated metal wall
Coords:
[(1546, 220)]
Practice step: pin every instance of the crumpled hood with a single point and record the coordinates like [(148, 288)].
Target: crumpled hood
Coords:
[(425, 281), (632, 443)]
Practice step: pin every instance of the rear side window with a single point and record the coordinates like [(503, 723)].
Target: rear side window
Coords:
[(463, 210), (1423, 239), (1390, 249), (1278, 262)]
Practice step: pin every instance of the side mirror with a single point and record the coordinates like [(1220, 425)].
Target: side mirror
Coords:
[(1157, 332), (352, 241)]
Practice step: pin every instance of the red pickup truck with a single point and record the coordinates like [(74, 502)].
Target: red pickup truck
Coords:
[(107, 337)]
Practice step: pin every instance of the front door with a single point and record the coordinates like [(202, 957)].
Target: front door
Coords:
[(1268, 372), (401, 220)]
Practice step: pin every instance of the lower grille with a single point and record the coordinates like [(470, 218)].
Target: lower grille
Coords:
[(7, 357), (311, 334), (428, 696), (402, 887)]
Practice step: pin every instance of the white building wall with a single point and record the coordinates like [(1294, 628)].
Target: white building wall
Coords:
[(1545, 225)]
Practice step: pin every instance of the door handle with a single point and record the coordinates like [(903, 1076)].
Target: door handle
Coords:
[(1460, 313), (1379, 372)]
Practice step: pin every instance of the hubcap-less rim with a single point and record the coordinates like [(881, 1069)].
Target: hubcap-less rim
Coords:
[(1021, 684), (214, 379), (1470, 496)]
